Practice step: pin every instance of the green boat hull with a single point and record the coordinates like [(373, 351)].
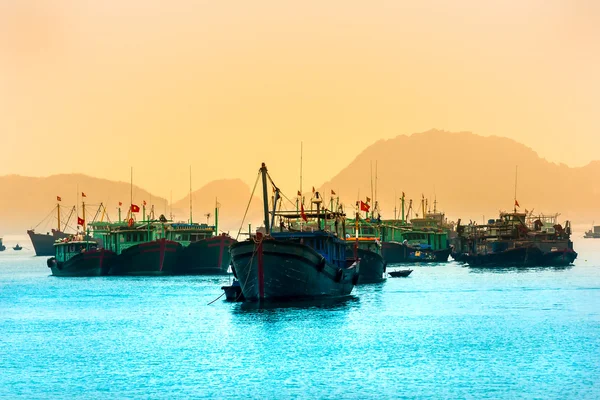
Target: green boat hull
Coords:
[(209, 256), (158, 257), (92, 263)]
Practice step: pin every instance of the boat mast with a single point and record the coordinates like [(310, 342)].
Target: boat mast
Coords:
[(263, 171), (216, 217), (301, 197), (190, 194), (58, 209), (402, 208), (130, 192), (77, 204), (515, 203)]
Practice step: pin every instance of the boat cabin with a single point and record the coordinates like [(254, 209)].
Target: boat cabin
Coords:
[(66, 249)]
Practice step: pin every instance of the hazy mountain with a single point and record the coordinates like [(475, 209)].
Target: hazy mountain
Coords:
[(232, 195), (470, 175), (28, 201)]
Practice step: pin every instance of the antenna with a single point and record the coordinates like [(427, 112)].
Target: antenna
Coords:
[(130, 192), (301, 149), (516, 175)]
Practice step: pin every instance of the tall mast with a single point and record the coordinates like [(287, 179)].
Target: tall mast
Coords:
[(130, 191), (372, 197), (395, 206), (77, 204), (216, 217), (171, 206), (263, 171), (375, 197), (301, 149), (516, 174), (58, 209), (190, 194)]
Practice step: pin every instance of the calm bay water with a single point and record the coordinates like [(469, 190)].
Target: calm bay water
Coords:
[(445, 332)]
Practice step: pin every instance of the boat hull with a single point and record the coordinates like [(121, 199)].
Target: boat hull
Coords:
[(289, 271), (158, 257), (206, 257), (91, 263), (399, 253), (529, 256), (43, 243), (372, 267)]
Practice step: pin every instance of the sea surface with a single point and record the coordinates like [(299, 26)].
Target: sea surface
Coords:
[(447, 331)]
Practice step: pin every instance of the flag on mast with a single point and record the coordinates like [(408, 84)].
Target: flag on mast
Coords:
[(364, 206), (83, 194), (517, 203), (135, 208), (302, 213), (58, 198), (80, 221)]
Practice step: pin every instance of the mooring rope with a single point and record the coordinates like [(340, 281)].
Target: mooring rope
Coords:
[(216, 299)]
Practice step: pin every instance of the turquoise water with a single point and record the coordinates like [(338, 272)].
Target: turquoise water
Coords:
[(445, 332)]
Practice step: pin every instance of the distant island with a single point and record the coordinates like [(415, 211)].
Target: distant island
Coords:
[(471, 176)]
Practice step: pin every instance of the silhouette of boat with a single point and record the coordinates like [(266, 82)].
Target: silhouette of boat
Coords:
[(17, 248), (403, 273)]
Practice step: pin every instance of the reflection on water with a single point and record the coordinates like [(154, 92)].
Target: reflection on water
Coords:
[(329, 303), (448, 331)]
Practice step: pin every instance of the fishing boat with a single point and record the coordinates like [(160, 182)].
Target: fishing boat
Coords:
[(422, 240), (76, 256), (593, 233), (403, 273), (293, 264), (364, 245), (141, 247), (2, 247), (516, 239), (43, 243), (203, 252), (17, 247)]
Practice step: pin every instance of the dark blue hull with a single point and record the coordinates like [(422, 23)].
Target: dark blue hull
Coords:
[(399, 253), (289, 271), (372, 267)]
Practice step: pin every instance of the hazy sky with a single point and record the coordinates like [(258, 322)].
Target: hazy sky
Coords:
[(99, 86)]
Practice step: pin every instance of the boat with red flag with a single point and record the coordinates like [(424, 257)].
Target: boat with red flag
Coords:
[(291, 262)]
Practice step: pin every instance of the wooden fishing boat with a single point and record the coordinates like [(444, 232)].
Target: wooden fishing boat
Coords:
[(76, 256), (293, 264)]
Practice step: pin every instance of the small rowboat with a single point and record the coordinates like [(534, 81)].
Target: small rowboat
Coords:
[(401, 273)]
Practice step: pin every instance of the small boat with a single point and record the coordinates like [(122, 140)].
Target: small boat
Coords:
[(403, 273), (2, 247), (233, 292), (77, 256), (17, 247)]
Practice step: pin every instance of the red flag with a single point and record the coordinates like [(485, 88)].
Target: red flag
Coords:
[(332, 192), (313, 190), (364, 206), (144, 202), (80, 221), (402, 194), (299, 194), (135, 208), (368, 199), (120, 204), (58, 198), (83, 194), (302, 213), (517, 203)]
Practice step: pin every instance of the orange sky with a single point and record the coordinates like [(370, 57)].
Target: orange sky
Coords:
[(99, 86)]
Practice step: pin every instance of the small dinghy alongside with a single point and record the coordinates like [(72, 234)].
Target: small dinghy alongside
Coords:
[(403, 273)]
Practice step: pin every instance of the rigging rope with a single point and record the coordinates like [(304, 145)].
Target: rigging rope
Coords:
[(248, 206)]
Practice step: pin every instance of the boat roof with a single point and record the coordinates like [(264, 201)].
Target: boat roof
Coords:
[(303, 234), (61, 243)]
